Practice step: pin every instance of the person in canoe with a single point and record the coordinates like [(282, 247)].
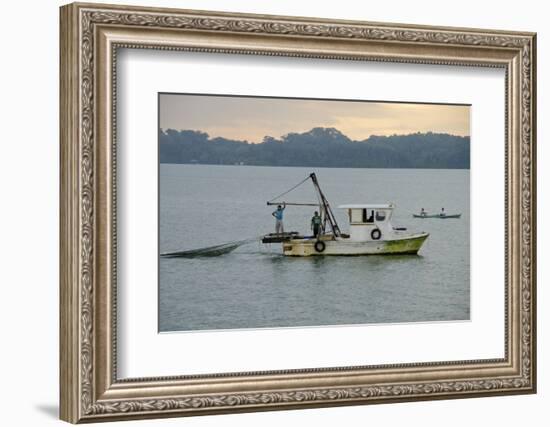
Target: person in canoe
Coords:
[(278, 214), (442, 213), (316, 224), (422, 212)]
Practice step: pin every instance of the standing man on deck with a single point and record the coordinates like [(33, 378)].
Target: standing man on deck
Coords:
[(278, 214), (316, 224)]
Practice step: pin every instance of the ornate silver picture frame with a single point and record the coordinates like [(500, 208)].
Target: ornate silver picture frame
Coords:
[(91, 36)]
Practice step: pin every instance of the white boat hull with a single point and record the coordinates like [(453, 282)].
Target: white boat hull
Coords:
[(399, 245)]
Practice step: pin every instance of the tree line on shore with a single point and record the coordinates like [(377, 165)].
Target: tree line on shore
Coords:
[(319, 147)]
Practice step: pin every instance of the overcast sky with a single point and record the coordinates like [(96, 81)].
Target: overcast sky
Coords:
[(250, 119)]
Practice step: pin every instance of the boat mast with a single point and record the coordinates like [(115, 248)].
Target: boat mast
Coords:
[(329, 215)]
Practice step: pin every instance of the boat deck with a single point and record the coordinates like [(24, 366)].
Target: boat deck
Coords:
[(280, 237)]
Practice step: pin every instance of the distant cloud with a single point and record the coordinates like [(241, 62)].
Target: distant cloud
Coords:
[(251, 119)]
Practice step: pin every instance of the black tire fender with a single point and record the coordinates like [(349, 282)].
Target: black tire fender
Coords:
[(319, 246), (376, 234)]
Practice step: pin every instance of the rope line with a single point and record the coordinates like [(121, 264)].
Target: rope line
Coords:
[(288, 191)]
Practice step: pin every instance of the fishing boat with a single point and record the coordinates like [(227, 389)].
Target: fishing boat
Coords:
[(441, 216), (370, 231)]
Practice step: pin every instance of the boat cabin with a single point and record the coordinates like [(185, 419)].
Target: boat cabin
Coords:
[(365, 219)]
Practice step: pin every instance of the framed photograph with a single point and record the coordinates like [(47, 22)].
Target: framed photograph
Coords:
[(266, 212)]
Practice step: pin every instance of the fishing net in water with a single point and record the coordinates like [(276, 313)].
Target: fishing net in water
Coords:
[(209, 251)]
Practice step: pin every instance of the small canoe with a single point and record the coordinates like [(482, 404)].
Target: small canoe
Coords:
[(444, 216)]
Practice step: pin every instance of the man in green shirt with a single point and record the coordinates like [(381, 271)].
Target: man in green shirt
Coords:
[(316, 224)]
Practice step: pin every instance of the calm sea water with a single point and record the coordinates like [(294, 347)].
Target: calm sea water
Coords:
[(256, 286)]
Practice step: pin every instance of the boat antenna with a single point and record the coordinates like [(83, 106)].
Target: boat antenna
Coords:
[(329, 215)]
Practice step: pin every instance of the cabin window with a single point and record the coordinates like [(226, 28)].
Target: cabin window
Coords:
[(380, 215), (361, 216), (356, 215), (368, 215)]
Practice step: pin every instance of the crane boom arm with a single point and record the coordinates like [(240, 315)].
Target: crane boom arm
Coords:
[(329, 215)]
